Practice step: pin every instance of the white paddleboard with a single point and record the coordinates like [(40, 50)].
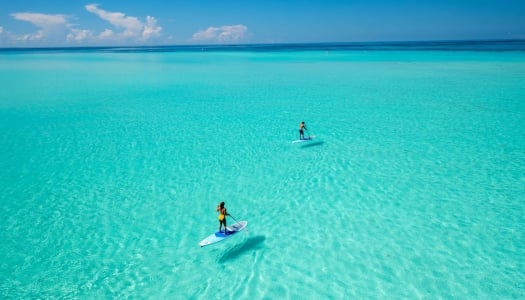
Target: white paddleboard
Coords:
[(306, 139), (221, 236)]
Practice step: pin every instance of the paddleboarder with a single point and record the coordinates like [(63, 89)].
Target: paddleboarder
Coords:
[(222, 216), (302, 128)]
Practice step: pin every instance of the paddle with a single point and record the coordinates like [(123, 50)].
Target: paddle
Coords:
[(233, 218), (237, 221)]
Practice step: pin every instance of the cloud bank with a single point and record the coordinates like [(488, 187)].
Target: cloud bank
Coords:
[(57, 28), (120, 29), (223, 34)]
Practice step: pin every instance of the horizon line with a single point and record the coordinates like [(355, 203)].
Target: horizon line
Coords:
[(268, 45)]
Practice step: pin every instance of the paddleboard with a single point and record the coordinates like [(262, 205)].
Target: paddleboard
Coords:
[(306, 139), (221, 236)]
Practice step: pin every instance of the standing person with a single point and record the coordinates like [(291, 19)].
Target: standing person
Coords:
[(302, 128), (222, 216)]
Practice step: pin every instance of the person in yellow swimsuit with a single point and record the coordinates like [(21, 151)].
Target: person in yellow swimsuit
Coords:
[(222, 216)]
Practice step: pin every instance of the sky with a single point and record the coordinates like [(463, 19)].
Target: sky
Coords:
[(59, 23)]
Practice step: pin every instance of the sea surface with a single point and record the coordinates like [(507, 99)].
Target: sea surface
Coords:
[(114, 159)]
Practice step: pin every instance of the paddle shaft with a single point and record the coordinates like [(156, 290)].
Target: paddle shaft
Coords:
[(238, 222), (233, 218)]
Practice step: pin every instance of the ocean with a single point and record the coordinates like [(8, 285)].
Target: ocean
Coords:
[(114, 159)]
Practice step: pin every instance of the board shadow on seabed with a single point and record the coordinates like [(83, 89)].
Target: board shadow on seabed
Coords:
[(239, 250)]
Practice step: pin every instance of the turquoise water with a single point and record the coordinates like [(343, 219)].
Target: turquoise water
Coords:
[(112, 165)]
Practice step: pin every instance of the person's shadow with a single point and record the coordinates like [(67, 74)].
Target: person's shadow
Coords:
[(312, 144), (251, 244)]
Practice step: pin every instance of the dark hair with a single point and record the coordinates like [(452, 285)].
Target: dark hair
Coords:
[(221, 204)]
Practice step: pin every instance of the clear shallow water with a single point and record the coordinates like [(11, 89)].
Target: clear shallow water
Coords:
[(112, 165)]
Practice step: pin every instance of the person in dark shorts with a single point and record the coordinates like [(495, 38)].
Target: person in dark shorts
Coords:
[(302, 128)]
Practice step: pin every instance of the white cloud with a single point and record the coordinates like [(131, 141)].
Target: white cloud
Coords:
[(131, 27), (223, 34), (106, 34), (6, 38), (41, 20), (37, 36), (82, 35), (79, 35), (151, 29), (49, 26)]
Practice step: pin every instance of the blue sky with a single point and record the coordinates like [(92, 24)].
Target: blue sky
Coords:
[(162, 22)]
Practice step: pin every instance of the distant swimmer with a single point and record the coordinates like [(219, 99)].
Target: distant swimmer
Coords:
[(302, 128), (222, 216)]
